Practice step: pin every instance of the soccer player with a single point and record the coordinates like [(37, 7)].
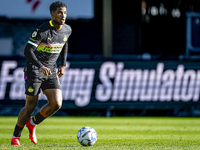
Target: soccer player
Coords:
[(42, 51)]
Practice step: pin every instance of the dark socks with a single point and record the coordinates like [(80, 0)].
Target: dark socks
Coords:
[(18, 131), (38, 118)]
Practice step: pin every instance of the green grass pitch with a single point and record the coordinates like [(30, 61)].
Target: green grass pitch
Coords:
[(115, 133)]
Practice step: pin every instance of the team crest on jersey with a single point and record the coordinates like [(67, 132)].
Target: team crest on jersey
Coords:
[(34, 34), (65, 39)]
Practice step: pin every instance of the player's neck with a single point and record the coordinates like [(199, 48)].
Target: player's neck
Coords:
[(57, 26)]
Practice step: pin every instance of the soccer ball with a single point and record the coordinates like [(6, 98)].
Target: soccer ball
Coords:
[(87, 136)]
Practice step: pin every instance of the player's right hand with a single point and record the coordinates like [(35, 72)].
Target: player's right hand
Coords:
[(46, 71)]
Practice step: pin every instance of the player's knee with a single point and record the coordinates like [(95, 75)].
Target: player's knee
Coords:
[(57, 105)]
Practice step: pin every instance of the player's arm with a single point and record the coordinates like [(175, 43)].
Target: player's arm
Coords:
[(31, 46), (63, 56), (29, 53)]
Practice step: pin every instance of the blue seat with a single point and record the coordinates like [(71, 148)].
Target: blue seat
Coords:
[(192, 33)]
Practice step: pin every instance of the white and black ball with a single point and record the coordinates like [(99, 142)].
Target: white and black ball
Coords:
[(87, 136)]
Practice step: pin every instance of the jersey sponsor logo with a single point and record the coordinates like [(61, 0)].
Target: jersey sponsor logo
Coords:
[(50, 48)]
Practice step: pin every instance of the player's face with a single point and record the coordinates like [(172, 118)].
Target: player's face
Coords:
[(59, 15)]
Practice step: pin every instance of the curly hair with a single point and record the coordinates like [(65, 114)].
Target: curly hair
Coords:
[(56, 5)]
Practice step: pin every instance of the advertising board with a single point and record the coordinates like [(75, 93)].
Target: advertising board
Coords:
[(121, 84), (36, 9)]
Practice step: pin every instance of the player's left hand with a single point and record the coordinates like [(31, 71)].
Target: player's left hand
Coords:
[(61, 71)]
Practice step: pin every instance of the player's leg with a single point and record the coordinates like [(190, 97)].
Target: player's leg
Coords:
[(25, 114), (23, 118), (51, 88), (54, 97), (32, 90)]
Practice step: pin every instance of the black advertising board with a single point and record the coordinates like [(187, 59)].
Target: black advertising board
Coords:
[(129, 84)]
